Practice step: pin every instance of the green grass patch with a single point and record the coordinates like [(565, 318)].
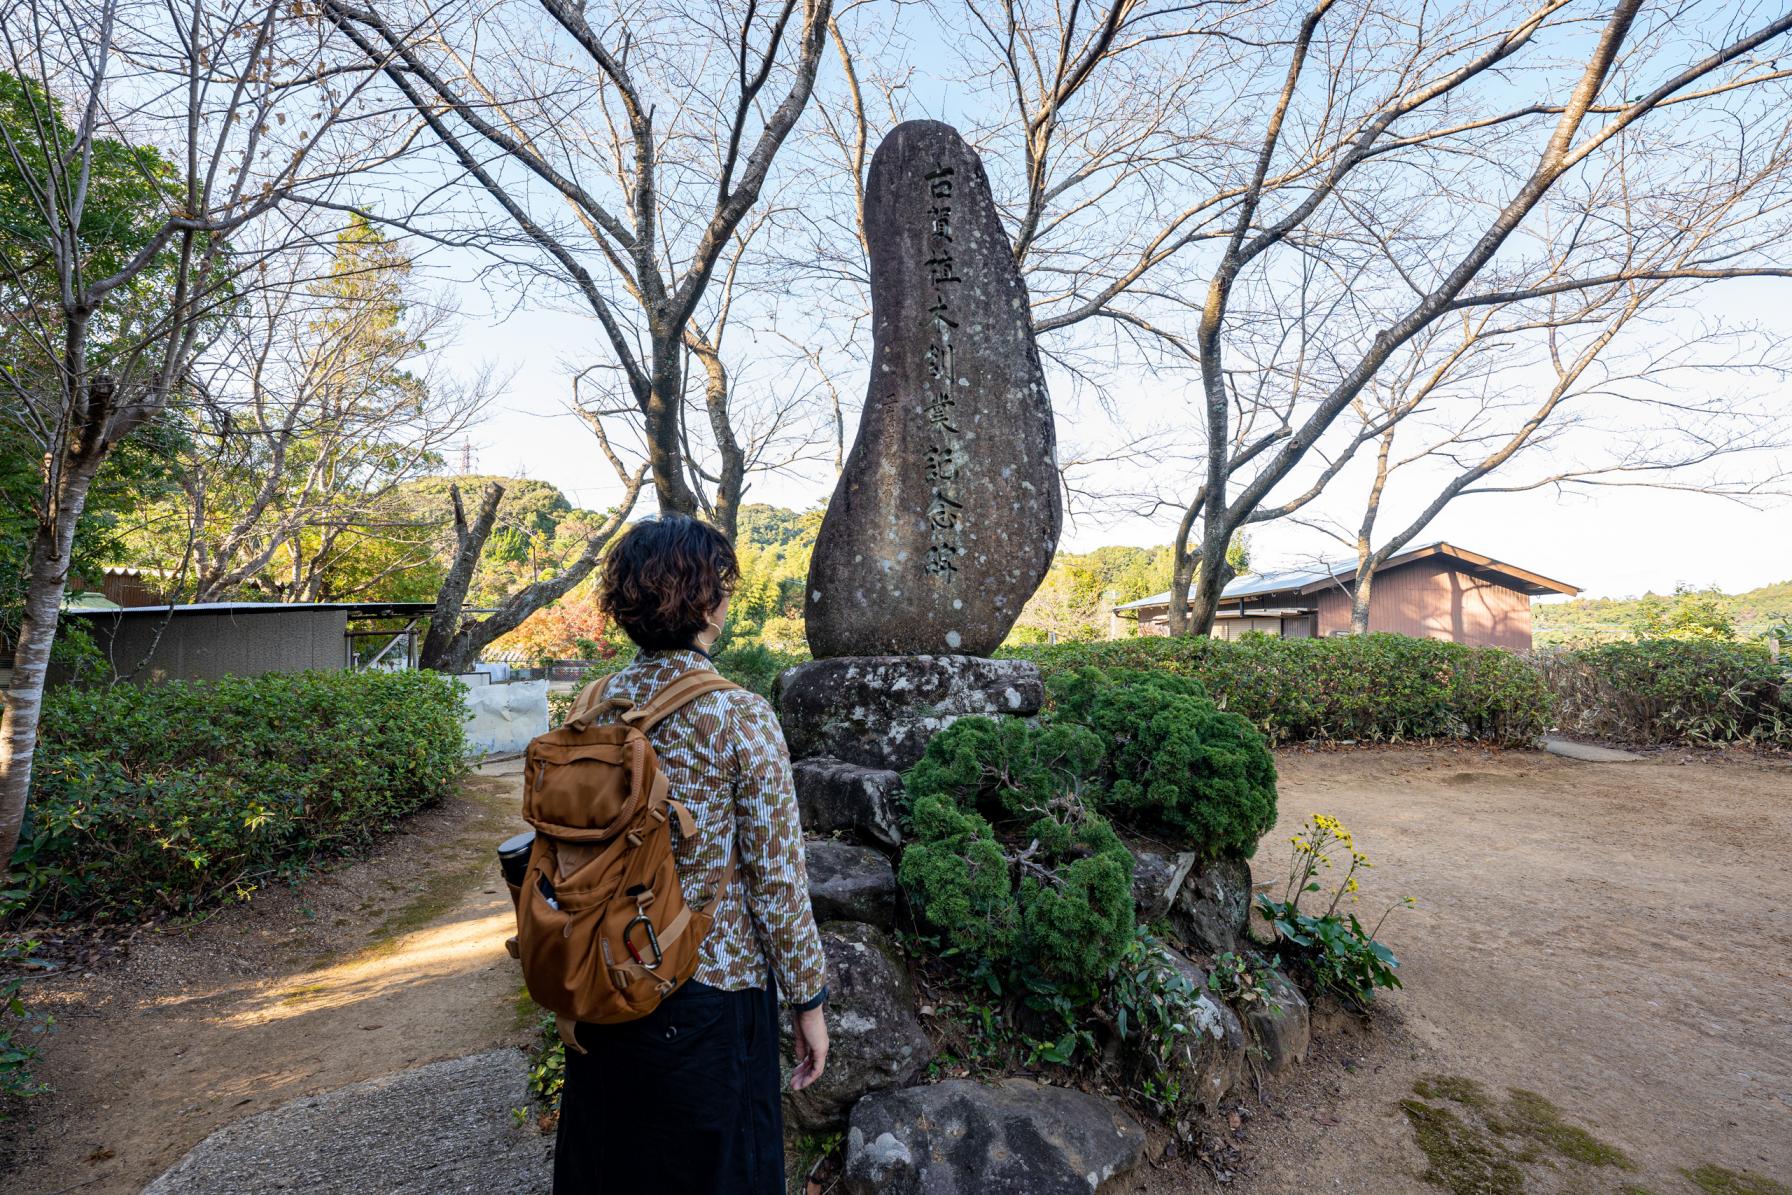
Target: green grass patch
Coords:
[(1716, 1180), (1462, 1158), (1528, 1114), (527, 1011), (1476, 1145), (1455, 1088)]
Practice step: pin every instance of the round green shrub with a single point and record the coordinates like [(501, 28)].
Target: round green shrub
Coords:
[(1075, 924), (1016, 767), (1180, 766), (1008, 858), (956, 875)]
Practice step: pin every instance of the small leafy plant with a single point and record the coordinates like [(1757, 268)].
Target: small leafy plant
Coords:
[(1238, 981), (19, 1029), (1153, 1006), (547, 1064), (1341, 955)]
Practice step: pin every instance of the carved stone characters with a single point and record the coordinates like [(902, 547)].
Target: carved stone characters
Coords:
[(948, 509)]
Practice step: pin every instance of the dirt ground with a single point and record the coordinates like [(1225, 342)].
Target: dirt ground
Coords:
[(387, 962), (1611, 936)]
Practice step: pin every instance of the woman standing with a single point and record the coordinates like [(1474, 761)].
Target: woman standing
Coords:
[(686, 1099)]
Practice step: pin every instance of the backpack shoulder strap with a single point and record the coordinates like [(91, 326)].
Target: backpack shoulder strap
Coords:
[(589, 698), (674, 695)]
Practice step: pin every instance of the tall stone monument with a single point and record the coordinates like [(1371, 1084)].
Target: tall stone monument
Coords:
[(942, 525), (947, 512)]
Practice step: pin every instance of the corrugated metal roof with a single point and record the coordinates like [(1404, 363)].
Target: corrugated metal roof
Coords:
[(1278, 581), (87, 601), (355, 609)]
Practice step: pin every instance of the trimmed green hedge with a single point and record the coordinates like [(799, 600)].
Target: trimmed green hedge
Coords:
[(1696, 691), (166, 798), (1367, 688), (753, 666), (756, 667)]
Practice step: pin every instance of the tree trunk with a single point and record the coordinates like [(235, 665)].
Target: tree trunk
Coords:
[(1367, 561), (1182, 569), (458, 650), (1359, 601), (664, 414), (1182, 577), (462, 652), (1204, 602), (731, 478), (469, 543), (48, 581)]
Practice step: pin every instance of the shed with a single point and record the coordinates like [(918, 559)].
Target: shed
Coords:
[(1436, 591), (208, 640)]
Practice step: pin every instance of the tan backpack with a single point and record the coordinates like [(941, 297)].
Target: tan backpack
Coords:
[(603, 931)]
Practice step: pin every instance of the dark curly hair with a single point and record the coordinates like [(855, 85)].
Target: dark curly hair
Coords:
[(663, 577)]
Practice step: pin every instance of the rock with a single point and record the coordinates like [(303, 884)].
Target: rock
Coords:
[(442, 1128), (1259, 928), (947, 511), (875, 1039), (1213, 906), (879, 711), (850, 883), (1157, 876), (1280, 1027), (1209, 1062), (963, 1138), (835, 796)]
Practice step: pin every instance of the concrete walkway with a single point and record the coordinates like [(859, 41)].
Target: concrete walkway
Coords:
[(1587, 752), (446, 1127)]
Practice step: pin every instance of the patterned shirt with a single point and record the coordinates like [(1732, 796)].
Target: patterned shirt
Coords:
[(725, 759)]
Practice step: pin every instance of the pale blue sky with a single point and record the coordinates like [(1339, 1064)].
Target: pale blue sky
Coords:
[(1611, 542)]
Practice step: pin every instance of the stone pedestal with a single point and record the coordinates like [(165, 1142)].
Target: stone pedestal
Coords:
[(855, 723), (879, 711)]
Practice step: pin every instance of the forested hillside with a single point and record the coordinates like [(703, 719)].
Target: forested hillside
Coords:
[(1708, 613)]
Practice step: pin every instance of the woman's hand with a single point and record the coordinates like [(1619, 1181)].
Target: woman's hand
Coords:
[(811, 1033)]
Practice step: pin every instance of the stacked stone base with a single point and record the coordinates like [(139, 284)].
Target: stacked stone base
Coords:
[(854, 724)]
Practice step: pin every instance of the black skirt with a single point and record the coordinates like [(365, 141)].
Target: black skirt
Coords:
[(684, 1101)]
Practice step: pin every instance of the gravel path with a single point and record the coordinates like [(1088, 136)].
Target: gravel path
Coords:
[(432, 1130)]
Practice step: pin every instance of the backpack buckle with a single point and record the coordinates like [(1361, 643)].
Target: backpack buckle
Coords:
[(653, 942)]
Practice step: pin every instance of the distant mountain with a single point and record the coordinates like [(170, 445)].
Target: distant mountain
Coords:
[(766, 526), (1752, 612), (534, 506)]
